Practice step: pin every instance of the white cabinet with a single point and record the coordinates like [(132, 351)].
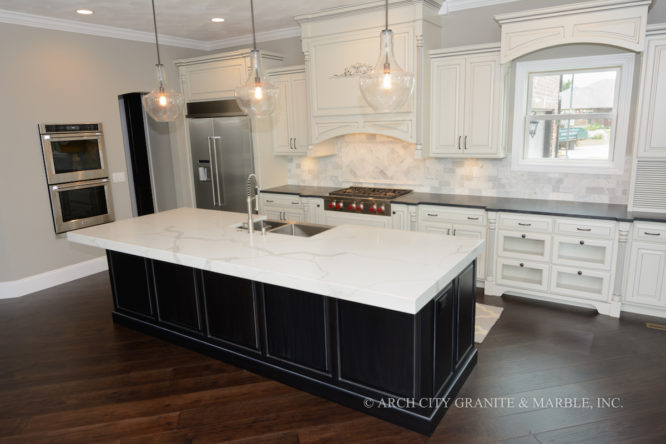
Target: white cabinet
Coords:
[(333, 218), (215, 76), (400, 218), (290, 116), (341, 43), (651, 128), (466, 105), (454, 221), (523, 274), (282, 207), (646, 285), (314, 210)]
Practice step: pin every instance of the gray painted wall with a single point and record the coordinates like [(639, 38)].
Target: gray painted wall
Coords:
[(54, 76)]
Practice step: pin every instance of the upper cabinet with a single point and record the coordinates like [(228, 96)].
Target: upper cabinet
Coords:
[(466, 106), (290, 121), (651, 128), (214, 77), (341, 43)]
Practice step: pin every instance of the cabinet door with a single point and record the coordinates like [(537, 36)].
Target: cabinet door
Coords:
[(466, 289), (296, 328), (435, 227), (475, 233), (130, 283), (445, 328), (482, 111), (652, 131), (282, 139), (298, 111), (313, 208), (294, 215), (177, 295), (447, 106), (400, 217), (647, 274), (230, 310), (213, 80)]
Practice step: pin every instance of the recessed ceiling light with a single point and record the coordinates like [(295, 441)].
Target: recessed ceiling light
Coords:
[(84, 11), (217, 19)]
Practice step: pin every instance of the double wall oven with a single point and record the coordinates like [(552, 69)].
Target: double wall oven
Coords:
[(77, 175)]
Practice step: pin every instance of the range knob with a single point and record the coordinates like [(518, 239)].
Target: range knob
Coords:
[(359, 207), (339, 205), (381, 209), (331, 204), (352, 206), (373, 208)]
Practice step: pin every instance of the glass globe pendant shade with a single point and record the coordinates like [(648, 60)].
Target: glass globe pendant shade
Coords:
[(256, 97), (387, 87), (162, 104)]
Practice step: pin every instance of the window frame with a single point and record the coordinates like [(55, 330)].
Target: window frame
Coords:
[(624, 63)]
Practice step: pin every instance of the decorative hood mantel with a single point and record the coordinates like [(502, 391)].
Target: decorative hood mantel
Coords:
[(342, 43)]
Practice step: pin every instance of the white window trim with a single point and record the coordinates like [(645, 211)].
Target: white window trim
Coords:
[(619, 138)]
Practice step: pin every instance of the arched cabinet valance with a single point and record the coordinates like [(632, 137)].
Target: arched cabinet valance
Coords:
[(608, 22)]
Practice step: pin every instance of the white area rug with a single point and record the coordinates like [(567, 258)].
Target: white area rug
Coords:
[(486, 316)]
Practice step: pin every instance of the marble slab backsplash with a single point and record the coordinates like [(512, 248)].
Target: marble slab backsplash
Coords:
[(376, 160)]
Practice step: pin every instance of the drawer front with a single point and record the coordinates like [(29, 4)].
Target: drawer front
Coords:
[(470, 216), (585, 227), (522, 222), (525, 245), (284, 201), (650, 232), (435, 227), (581, 283), (580, 252), (520, 274)]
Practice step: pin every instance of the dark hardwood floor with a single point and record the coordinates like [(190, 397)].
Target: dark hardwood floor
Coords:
[(68, 374)]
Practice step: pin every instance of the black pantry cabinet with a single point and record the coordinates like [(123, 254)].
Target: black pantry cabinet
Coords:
[(340, 350)]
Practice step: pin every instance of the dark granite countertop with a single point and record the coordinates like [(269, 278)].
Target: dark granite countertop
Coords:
[(505, 204)]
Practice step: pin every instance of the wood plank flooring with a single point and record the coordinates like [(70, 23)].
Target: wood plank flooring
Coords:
[(69, 374)]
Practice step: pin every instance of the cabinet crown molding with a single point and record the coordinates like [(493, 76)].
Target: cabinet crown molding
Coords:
[(265, 55), (364, 7), (619, 23), (656, 29), (465, 50)]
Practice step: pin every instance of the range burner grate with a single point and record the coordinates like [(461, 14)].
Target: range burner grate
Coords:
[(370, 192)]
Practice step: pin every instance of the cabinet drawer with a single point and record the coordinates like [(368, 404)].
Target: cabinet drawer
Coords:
[(580, 283), (518, 274), (284, 201), (578, 252), (470, 216), (585, 227), (531, 246), (524, 222), (650, 232)]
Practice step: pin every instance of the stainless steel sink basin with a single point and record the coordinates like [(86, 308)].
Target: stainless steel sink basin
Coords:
[(301, 230), (266, 224)]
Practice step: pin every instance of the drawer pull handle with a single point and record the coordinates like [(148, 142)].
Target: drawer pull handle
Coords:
[(583, 229), (295, 203), (524, 225), (582, 242), (523, 236), (472, 218), (432, 215), (522, 265), (580, 273), (269, 201), (652, 234)]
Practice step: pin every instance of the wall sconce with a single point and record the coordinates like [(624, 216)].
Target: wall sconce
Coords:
[(534, 124)]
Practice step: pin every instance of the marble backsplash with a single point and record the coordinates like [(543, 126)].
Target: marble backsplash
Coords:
[(375, 160)]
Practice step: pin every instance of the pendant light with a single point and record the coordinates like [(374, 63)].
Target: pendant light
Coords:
[(256, 96), (162, 104), (387, 87)]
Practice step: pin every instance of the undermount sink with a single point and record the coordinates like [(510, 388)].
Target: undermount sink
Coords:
[(265, 224), (300, 230)]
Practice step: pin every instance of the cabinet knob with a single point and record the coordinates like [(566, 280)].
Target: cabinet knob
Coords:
[(582, 242), (523, 236), (522, 265), (580, 273), (393, 212)]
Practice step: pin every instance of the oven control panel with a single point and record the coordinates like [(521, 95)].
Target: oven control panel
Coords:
[(357, 205)]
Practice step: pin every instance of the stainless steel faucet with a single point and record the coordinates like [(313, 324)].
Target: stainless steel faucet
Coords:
[(252, 188)]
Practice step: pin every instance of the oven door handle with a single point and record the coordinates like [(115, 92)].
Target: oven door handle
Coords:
[(220, 189), (83, 184), (212, 168)]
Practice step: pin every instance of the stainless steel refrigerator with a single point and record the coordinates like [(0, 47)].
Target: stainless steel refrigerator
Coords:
[(221, 143)]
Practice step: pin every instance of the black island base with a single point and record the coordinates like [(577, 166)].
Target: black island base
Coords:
[(389, 364)]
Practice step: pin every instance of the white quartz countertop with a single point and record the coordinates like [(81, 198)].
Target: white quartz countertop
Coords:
[(393, 269)]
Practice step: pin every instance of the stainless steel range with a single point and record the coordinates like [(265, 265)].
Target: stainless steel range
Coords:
[(363, 200)]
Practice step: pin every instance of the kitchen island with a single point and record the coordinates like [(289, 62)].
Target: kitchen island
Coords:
[(379, 320)]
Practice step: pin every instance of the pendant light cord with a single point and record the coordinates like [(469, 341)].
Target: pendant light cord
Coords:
[(386, 15), (157, 43), (254, 37)]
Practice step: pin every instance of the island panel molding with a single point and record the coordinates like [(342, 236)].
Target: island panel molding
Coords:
[(619, 23)]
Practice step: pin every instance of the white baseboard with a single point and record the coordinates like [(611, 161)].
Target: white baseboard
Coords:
[(37, 282)]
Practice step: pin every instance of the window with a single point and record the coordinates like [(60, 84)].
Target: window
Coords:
[(571, 115)]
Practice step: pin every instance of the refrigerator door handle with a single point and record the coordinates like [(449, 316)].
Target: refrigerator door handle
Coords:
[(220, 189), (213, 171)]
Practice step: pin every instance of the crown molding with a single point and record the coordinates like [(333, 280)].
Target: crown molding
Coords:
[(459, 5), (43, 22), (568, 9)]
